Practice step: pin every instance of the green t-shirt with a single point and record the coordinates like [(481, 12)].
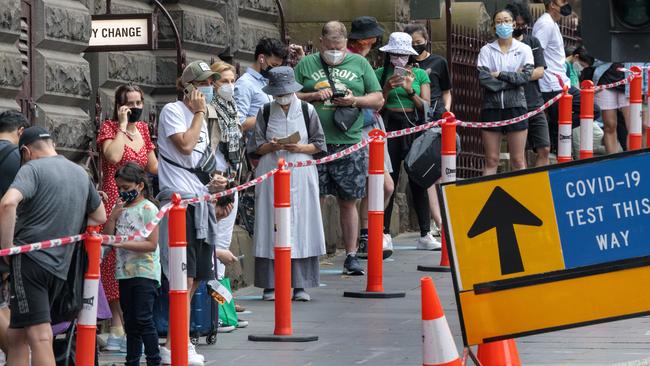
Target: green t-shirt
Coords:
[(398, 95), (130, 264), (354, 73)]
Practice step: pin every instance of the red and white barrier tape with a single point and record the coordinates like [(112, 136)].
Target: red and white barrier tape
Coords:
[(20, 249), (111, 239), (618, 83)]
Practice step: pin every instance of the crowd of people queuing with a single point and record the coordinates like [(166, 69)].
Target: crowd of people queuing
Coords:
[(328, 102)]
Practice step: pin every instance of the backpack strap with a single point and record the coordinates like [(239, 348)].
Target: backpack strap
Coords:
[(305, 114), (266, 112)]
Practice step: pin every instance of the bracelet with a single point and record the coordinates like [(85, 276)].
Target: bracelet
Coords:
[(195, 113), (411, 94), (354, 102)]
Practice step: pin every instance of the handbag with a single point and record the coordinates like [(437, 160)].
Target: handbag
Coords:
[(68, 302), (423, 161), (344, 117), (205, 168), (227, 312)]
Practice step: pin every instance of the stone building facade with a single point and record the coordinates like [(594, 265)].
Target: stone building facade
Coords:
[(45, 72)]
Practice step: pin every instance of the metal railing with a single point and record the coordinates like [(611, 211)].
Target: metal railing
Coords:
[(468, 94)]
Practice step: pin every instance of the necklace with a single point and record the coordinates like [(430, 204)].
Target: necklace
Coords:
[(129, 135)]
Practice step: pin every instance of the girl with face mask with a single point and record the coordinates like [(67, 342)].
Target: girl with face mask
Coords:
[(138, 263), (407, 94), (124, 138), (505, 67)]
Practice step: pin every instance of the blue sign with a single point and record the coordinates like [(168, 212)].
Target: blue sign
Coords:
[(603, 210)]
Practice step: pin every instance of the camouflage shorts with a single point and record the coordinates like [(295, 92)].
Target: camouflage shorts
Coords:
[(344, 178)]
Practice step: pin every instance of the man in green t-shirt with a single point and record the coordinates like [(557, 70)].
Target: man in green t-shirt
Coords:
[(351, 74)]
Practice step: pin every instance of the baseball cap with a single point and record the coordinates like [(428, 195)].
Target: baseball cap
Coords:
[(198, 71), (33, 134)]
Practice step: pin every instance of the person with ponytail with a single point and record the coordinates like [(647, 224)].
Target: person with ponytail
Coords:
[(137, 263)]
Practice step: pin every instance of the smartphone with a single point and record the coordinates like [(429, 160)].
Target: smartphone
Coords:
[(339, 94), (400, 71), (189, 89)]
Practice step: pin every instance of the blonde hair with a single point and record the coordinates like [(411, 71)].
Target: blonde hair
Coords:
[(221, 66)]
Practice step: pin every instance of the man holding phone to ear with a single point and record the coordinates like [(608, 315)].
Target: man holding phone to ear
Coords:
[(183, 140)]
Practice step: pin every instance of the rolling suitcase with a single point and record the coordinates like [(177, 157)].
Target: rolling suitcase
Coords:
[(204, 316)]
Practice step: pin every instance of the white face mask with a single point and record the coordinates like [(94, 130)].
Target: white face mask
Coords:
[(226, 91), (333, 57), (284, 99), (577, 66)]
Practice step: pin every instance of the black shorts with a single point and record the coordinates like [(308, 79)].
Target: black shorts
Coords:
[(33, 289), (538, 132), (493, 115), (199, 251)]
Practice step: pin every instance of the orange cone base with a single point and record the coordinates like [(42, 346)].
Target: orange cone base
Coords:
[(434, 268), (499, 353), (282, 338), (373, 295)]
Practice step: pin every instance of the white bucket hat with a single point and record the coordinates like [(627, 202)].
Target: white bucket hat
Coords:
[(399, 43)]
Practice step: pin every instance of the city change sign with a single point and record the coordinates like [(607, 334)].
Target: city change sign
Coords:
[(550, 248), (120, 32)]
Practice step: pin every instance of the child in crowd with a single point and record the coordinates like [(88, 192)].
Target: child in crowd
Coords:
[(138, 263)]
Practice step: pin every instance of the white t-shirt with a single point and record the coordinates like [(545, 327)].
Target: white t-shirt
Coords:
[(177, 118), (550, 37)]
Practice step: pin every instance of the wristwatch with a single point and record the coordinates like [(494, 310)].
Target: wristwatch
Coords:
[(354, 102), (411, 94)]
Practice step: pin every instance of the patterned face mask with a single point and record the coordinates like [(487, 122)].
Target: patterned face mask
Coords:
[(129, 196)]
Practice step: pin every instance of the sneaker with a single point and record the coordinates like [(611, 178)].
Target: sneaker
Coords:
[(123, 345), (242, 323), (114, 344), (222, 328), (428, 242), (194, 359), (362, 252), (165, 356), (239, 308), (299, 294), (268, 294), (387, 244), (351, 267), (435, 231)]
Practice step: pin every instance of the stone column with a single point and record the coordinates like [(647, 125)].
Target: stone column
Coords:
[(11, 71)]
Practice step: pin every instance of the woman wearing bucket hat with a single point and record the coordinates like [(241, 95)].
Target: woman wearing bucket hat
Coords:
[(288, 129), (365, 33), (407, 94)]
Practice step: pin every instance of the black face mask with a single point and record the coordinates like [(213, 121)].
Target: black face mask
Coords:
[(265, 72), (135, 115), (518, 32), (566, 10), (420, 48)]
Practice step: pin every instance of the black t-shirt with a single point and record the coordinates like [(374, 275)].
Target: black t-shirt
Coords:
[(533, 94), (436, 67), (9, 164)]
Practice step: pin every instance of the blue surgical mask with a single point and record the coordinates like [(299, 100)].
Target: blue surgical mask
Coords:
[(208, 92), (129, 196), (504, 31)]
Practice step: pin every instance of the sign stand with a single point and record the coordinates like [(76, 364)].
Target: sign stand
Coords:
[(467, 352)]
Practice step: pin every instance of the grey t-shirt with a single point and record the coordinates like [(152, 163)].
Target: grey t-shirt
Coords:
[(58, 195)]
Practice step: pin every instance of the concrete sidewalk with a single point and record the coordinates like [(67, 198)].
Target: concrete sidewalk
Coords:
[(388, 332)]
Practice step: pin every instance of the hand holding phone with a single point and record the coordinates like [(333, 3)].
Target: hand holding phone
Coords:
[(400, 71)]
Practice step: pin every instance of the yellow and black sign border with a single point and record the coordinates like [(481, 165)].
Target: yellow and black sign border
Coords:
[(540, 279)]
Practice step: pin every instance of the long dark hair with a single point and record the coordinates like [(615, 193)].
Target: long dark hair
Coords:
[(120, 96), (133, 173), (387, 66)]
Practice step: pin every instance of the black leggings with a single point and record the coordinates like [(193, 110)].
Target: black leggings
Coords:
[(397, 150)]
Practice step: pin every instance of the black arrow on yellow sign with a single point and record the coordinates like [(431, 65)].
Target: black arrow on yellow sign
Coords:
[(502, 211)]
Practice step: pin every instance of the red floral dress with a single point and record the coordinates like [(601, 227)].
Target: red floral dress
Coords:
[(108, 131)]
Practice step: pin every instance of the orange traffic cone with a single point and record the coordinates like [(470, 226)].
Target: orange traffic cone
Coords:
[(499, 353), (438, 348)]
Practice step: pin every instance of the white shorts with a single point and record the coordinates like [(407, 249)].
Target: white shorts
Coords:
[(609, 99)]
